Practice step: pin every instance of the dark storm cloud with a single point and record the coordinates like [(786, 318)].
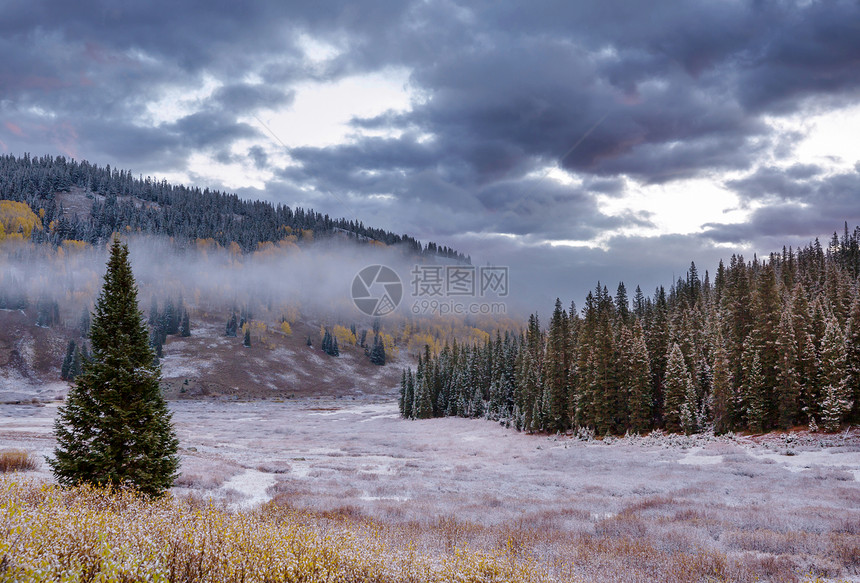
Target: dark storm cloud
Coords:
[(772, 182), (209, 130), (668, 86), (801, 202), (615, 93)]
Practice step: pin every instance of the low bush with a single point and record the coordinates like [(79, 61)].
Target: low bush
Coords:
[(17, 461)]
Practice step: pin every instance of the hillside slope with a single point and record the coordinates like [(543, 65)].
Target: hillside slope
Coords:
[(205, 365)]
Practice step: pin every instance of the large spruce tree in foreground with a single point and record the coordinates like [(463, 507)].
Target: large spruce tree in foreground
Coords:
[(115, 428)]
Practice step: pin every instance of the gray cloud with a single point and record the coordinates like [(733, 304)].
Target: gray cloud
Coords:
[(802, 202)]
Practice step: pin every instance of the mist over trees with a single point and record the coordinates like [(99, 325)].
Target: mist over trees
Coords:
[(122, 202), (767, 344)]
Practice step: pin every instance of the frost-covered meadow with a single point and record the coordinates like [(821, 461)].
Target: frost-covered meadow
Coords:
[(775, 507)]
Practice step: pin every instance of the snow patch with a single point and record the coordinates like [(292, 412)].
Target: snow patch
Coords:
[(694, 459), (602, 515), (369, 498), (804, 460), (375, 417), (253, 485)]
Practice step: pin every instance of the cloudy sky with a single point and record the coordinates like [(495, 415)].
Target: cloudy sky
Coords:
[(573, 141)]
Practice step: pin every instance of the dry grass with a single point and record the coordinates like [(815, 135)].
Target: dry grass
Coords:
[(84, 534), (655, 540), (49, 533), (16, 460)]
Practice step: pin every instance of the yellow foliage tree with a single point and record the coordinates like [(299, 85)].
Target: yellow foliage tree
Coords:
[(344, 336), (288, 243), (17, 221), (291, 314), (74, 245), (390, 346)]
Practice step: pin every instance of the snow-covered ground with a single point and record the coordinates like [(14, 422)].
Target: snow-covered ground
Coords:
[(326, 454)]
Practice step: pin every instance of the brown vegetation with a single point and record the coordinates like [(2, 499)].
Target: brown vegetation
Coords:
[(17, 461)]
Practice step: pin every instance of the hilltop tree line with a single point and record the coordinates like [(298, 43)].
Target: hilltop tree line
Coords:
[(767, 344), (122, 201)]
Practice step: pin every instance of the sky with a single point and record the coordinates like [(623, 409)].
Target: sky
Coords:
[(572, 141)]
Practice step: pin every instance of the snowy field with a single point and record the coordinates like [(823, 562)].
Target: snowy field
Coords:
[(787, 499)]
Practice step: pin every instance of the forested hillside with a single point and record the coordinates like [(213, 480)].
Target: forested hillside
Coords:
[(117, 201), (767, 344), (202, 259)]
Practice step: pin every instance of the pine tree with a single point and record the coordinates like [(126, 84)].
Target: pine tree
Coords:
[(753, 390), (423, 407), (185, 327), (852, 361), (115, 428), (409, 396), (658, 348), (639, 382), (76, 366), (556, 369), (807, 358), (377, 353), (639, 306), (155, 343), (622, 304), (232, 326), (401, 399), (787, 379), (767, 311), (605, 401), (170, 318), (722, 396), (153, 311), (84, 323), (246, 341), (836, 398), (736, 302), (677, 386), (67, 361), (689, 417)]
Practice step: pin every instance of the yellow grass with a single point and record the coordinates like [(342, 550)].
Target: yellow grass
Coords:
[(83, 534)]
